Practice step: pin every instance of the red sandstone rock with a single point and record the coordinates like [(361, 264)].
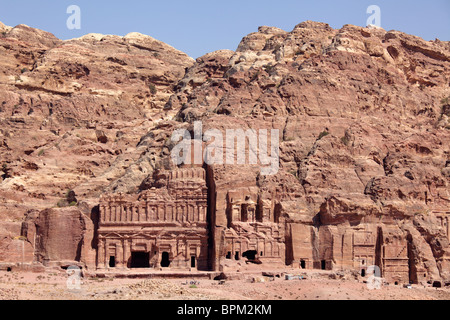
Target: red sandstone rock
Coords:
[(364, 152), (64, 235)]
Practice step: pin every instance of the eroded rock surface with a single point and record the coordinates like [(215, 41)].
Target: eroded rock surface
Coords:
[(364, 144)]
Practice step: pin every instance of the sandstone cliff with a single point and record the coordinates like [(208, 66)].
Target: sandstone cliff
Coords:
[(72, 113), (72, 109), (365, 151), (363, 112)]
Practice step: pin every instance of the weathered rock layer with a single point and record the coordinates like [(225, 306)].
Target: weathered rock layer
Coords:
[(364, 151)]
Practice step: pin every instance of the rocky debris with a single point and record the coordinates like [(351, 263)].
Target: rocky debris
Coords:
[(254, 261), (272, 274), (221, 276), (101, 137), (166, 289), (8, 294), (52, 286)]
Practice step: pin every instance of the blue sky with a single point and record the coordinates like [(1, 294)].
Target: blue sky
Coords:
[(201, 26)]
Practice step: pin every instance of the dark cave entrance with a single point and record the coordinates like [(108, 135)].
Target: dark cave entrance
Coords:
[(112, 262), (250, 254), (303, 264), (140, 260), (277, 213), (165, 261)]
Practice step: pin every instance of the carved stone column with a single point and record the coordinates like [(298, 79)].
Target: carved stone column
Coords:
[(106, 254), (158, 262), (127, 213), (126, 252), (199, 209), (101, 254), (205, 213), (188, 213), (133, 214), (123, 214), (119, 255), (148, 212), (114, 215), (102, 213), (158, 213), (169, 213)]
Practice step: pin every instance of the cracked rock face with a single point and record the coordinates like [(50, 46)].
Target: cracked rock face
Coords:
[(362, 112)]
